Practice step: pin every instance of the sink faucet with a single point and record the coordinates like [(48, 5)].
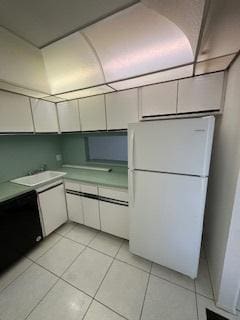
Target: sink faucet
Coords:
[(42, 168)]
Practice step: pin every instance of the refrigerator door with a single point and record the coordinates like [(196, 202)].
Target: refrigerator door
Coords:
[(175, 146), (166, 219)]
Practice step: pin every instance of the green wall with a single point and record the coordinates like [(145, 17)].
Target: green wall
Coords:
[(21, 153), (73, 148)]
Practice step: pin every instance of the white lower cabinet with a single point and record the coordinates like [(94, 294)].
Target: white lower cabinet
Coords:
[(75, 208), (53, 208), (91, 212), (114, 219), (108, 215)]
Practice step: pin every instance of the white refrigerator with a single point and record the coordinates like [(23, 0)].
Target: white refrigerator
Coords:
[(168, 174)]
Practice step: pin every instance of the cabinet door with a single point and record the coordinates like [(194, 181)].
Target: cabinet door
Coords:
[(202, 93), (44, 115), (92, 113), (15, 113), (53, 208), (68, 115), (75, 210), (91, 212), (159, 99), (114, 219), (121, 108)]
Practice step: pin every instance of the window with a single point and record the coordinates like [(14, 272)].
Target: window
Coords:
[(107, 147)]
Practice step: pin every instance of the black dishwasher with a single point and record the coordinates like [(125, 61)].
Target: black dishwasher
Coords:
[(20, 227)]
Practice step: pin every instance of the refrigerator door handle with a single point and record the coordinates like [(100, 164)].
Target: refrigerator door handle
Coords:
[(131, 150), (131, 188)]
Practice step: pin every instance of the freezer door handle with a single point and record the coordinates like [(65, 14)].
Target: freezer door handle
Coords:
[(131, 188), (131, 150)]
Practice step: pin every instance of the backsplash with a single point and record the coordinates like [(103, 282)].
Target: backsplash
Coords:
[(73, 148), (21, 153)]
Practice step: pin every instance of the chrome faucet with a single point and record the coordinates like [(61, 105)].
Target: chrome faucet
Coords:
[(42, 168)]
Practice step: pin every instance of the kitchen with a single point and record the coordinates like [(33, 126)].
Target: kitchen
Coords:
[(119, 163)]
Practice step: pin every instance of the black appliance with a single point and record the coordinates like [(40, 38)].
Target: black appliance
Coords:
[(20, 227)]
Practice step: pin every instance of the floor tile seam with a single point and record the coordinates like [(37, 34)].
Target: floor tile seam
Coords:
[(43, 297), (103, 304), (66, 231), (210, 278), (88, 246), (173, 283), (196, 302), (73, 262), (57, 275), (145, 293), (79, 242), (131, 265), (113, 259), (204, 295), (46, 250), (1, 290)]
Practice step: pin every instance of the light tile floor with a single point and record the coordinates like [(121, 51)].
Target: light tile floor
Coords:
[(78, 273)]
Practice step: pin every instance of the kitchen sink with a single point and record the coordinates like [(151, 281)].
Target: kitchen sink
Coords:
[(39, 178)]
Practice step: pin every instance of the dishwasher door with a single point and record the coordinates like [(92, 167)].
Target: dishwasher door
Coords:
[(20, 227)]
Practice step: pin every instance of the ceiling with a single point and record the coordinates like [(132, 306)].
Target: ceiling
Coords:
[(96, 46), (42, 22)]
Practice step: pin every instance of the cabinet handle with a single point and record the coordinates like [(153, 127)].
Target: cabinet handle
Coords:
[(131, 150)]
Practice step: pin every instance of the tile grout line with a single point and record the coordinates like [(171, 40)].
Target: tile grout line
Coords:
[(57, 276), (32, 263), (113, 259), (41, 299), (16, 277), (173, 283), (53, 245), (118, 259), (196, 302), (84, 249), (110, 309), (210, 278), (145, 293)]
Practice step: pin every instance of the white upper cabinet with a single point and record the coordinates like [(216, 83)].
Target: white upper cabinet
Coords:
[(44, 116), (122, 108), (68, 115), (15, 113), (159, 99), (202, 93), (92, 113)]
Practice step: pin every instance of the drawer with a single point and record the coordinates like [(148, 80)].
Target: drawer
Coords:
[(88, 188), (114, 193), (72, 185)]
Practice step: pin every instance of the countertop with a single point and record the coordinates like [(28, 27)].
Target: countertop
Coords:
[(10, 190), (118, 178)]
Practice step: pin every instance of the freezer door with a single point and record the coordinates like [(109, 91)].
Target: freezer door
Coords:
[(166, 219), (175, 146)]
